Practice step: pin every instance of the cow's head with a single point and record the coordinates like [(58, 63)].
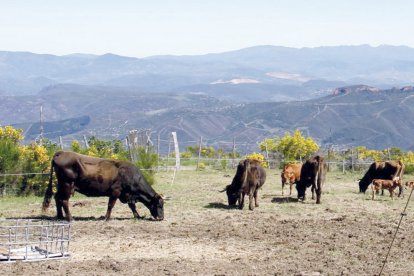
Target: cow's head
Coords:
[(363, 185), (288, 176), (157, 207), (232, 195), (409, 184)]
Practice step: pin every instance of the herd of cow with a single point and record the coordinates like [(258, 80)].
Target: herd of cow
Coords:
[(382, 175), (121, 180)]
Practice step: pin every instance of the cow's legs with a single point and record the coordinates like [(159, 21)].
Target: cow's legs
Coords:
[(290, 191), (241, 200), (65, 203), (391, 193), (111, 204), (134, 210), (62, 200), (313, 191), (283, 186), (59, 206), (373, 191), (251, 204), (400, 190), (318, 195), (256, 203)]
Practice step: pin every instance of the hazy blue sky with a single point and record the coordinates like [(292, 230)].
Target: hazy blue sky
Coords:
[(151, 27)]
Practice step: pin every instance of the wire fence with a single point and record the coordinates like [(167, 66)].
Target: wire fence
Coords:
[(162, 145)]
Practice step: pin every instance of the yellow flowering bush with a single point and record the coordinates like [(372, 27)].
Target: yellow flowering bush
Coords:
[(34, 159), (201, 166), (258, 157), (10, 133)]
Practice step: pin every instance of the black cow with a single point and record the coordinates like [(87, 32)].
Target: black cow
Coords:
[(249, 177), (94, 176), (313, 174), (382, 170)]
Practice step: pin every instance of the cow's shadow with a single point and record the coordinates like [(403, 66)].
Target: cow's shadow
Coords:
[(219, 205), (284, 199), (75, 218)]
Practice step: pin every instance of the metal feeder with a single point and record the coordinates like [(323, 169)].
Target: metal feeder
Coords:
[(33, 240)]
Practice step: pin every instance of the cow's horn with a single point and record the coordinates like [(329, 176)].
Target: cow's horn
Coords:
[(223, 190)]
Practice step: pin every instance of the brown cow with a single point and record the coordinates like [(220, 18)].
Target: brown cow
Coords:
[(381, 184), (313, 174), (249, 177), (290, 175), (254, 178), (94, 176)]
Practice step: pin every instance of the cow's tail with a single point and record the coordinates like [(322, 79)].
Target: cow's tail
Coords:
[(247, 169), (49, 191)]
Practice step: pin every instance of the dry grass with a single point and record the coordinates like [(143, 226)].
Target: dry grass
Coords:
[(348, 233)]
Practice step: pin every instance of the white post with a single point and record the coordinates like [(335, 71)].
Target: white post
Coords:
[(177, 155)]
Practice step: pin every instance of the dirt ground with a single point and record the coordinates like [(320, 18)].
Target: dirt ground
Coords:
[(348, 234)]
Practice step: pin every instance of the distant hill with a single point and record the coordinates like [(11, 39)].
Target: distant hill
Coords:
[(269, 72), (350, 116)]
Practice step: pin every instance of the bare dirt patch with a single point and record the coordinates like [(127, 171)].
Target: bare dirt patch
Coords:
[(347, 234)]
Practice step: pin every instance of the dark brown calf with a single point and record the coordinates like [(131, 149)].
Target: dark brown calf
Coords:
[(382, 184)]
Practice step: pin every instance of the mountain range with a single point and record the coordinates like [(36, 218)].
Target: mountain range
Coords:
[(247, 95)]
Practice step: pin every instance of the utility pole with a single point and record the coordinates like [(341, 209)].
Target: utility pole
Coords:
[(41, 126)]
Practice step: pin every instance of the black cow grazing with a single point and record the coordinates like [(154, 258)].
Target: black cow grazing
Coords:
[(249, 177), (94, 176), (382, 170), (313, 174)]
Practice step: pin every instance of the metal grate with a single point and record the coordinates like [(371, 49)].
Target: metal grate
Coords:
[(33, 240)]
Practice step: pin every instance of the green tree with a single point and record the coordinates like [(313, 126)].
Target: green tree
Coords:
[(51, 147), (9, 155), (394, 153), (269, 144), (100, 148), (9, 148), (76, 146), (294, 147)]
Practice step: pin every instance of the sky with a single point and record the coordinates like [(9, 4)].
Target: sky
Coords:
[(141, 28)]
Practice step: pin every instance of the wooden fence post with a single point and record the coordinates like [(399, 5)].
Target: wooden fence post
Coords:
[(343, 166), (60, 142), (199, 152), (234, 153)]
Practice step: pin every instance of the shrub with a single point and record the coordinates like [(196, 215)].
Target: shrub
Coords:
[(201, 166), (258, 157), (409, 169), (147, 162)]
